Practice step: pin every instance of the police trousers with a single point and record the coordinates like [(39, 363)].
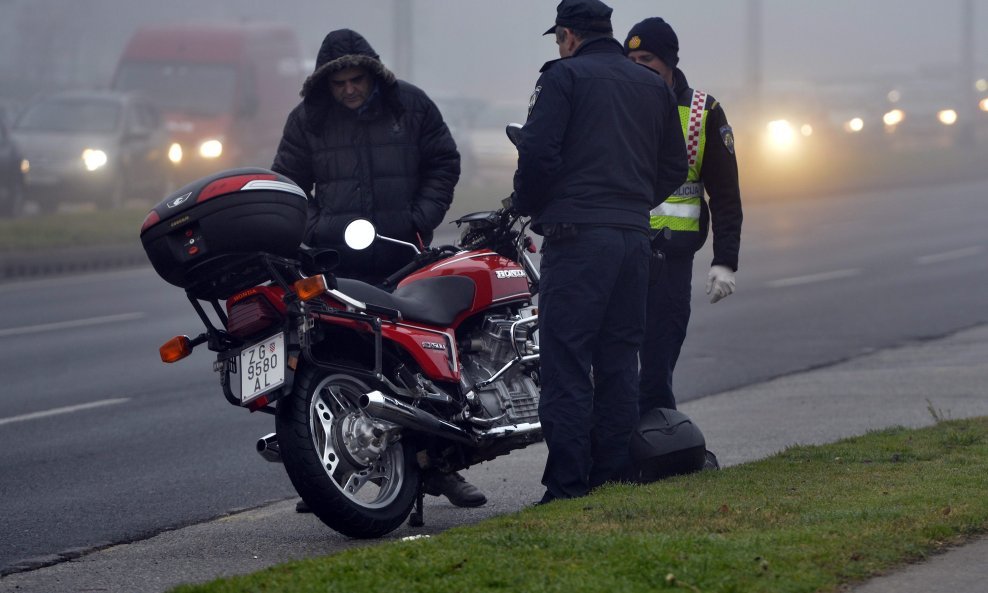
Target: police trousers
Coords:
[(591, 320), (667, 315)]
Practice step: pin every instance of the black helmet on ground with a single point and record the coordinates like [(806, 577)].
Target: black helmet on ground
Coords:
[(668, 443)]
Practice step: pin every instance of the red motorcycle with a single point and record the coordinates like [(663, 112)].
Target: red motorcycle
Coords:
[(368, 387)]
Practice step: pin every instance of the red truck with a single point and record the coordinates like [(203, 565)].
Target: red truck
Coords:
[(224, 89)]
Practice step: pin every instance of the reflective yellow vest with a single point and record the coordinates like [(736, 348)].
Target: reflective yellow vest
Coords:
[(681, 211)]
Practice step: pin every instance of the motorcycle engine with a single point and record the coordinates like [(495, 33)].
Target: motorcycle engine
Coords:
[(514, 395)]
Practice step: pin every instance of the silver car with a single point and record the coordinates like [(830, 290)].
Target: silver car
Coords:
[(101, 147)]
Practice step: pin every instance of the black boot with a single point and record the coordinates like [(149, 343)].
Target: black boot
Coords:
[(301, 507), (454, 487)]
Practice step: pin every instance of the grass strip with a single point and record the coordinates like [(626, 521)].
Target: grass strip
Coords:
[(71, 229), (811, 518)]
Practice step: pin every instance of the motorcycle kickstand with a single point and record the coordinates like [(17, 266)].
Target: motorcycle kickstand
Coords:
[(417, 519)]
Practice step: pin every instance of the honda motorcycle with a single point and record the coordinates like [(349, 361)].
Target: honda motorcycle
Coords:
[(369, 387)]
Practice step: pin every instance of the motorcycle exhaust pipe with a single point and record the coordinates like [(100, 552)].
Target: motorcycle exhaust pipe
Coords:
[(392, 410), (267, 447)]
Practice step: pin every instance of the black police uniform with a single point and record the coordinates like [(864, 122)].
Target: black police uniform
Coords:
[(601, 147), (668, 310)]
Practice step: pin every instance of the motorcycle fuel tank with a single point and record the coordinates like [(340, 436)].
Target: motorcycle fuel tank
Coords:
[(498, 279)]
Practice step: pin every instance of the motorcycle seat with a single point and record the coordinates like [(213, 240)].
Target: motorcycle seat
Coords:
[(434, 301)]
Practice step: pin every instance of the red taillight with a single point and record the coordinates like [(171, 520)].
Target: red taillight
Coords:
[(229, 185), (251, 316), (150, 220)]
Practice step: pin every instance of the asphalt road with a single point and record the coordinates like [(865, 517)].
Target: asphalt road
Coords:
[(103, 444)]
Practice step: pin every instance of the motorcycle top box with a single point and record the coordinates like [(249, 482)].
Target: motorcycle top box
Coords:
[(206, 236)]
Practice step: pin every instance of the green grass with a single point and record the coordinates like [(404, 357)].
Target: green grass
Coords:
[(71, 229), (807, 519)]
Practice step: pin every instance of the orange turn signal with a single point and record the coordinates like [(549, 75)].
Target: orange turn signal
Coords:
[(311, 287), (175, 349)]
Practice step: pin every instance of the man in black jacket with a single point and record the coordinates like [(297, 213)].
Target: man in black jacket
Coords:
[(600, 148), (371, 146), (363, 144), (714, 172)]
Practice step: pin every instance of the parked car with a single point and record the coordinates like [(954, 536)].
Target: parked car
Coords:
[(93, 146), (12, 167)]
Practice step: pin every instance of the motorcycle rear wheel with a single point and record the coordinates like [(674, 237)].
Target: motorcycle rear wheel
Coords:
[(360, 491)]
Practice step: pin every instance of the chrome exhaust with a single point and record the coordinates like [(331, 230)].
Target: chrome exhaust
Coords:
[(392, 410), (267, 447)]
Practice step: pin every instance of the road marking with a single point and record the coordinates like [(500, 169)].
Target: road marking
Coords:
[(65, 410), (949, 255), (810, 279), (46, 327)]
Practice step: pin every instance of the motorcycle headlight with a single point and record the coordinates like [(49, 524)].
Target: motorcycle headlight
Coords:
[(175, 153), (211, 149), (94, 159)]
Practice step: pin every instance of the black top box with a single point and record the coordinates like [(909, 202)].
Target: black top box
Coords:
[(206, 237)]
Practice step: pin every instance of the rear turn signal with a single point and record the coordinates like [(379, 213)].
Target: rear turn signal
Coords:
[(311, 287), (175, 349)]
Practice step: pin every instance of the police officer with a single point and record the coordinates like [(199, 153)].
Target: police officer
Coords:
[(713, 169), (600, 148)]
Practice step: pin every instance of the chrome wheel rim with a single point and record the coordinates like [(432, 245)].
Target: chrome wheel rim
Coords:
[(359, 461)]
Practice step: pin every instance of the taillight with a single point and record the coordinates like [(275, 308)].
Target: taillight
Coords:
[(251, 316), (175, 349)]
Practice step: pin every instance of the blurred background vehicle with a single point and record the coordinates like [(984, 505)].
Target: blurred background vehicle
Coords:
[(12, 169), (92, 146), (224, 89)]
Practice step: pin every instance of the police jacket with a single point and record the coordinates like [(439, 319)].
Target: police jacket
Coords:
[(602, 144), (393, 161), (714, 171)]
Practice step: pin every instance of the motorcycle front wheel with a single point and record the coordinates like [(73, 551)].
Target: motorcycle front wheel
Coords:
[(356, 480)]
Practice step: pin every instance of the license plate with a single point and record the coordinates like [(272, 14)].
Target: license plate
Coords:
[(262, 367)]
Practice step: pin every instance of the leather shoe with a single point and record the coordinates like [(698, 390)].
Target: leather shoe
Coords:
[(454, 487), (301, 507)]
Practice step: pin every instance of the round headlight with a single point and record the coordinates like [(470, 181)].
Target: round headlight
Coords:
[(94, 159), (894, 117), (947, 117), (25, 166), (781, 135), (854, 125), (211, 149), (175, 153)]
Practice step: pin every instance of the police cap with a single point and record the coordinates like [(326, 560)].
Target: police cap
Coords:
[(586, 15)]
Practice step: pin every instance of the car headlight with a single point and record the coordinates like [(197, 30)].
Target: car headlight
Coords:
[(25, 166), (894, 117), (211, 149), (175, 153), (854, 125), (94, 159), (983, 104), (781, 135), (947, 117)]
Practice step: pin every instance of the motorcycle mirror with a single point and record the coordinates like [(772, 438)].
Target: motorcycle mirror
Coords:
[(359, 234), (513, 131)]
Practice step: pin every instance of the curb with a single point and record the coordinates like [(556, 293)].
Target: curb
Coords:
[(73, 260)]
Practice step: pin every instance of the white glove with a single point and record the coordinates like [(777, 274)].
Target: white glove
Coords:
[(720, 282)]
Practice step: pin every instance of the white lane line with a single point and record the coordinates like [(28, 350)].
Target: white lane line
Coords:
[(949, 255), (65, 410), (810, 279), (46, 327)]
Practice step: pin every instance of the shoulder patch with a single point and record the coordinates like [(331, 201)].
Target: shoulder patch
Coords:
[(534, 98), (727, 135)]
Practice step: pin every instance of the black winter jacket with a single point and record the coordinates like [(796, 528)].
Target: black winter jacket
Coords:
[(393, 161), (602, 143)]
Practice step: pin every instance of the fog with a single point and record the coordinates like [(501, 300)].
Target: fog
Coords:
[(830, 70), (494, 49)]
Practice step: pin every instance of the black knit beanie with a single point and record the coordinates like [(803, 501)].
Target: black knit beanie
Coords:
[(654, 35)]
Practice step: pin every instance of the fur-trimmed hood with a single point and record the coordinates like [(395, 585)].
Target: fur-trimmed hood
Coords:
[(342, 49)]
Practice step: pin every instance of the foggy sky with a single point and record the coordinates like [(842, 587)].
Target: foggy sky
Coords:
[(494, 49)]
